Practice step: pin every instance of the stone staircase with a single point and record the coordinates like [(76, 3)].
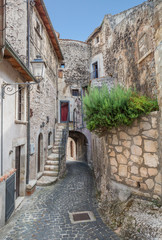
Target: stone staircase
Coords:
[(51, 168)]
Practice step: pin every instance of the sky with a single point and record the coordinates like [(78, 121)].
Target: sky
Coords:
[(77, 19)]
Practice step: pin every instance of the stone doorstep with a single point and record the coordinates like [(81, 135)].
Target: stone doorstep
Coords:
[(50, 173), (30, 188), (46, 181), (53, 156)]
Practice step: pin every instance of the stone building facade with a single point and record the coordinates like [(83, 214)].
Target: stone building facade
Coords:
[(130, 157), (126, 49), (13, 129), (123, 48), (43, 96), (74, 76), (29, 33)]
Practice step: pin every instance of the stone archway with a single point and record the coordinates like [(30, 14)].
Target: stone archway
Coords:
[(71, 150), (81, 143)]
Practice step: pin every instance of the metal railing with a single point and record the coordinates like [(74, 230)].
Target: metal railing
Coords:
[(63, 143)]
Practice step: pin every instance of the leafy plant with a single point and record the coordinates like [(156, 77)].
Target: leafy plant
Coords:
[(104, 110)]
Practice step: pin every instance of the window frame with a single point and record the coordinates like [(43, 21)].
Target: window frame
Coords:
[(75, 90), (21, 104)]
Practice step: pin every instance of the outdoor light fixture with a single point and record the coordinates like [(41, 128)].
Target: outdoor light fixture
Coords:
[(38, 66)]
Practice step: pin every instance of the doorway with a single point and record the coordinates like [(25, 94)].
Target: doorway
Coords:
[(64, 111), (17, 166), (40, 152), (95, 70)]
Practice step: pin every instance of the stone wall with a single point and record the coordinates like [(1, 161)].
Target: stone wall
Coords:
[(75, 75), (158, 61), (127, 43), (130, 156), (77, 56), (16, 26), (44, 95)]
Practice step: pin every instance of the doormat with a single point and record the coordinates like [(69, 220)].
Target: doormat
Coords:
[(82, 217)]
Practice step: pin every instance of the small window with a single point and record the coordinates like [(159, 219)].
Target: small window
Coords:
[(97, 39), (95, 72), (49, 138), (20, 103), (62, 65), (39, 28), (75, 92)]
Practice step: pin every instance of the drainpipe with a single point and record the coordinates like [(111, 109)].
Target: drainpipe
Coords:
[(2, 27), (28, 93), (2, 47)]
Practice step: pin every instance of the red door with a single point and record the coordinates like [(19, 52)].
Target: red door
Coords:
[(64, 111)]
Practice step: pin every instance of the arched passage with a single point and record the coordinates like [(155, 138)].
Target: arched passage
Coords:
[(71, 150), (79, 141), (40, 153)]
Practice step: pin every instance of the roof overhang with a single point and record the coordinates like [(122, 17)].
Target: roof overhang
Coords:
[(41, 8), (11, 56)]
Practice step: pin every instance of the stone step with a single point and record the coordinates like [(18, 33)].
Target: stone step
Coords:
[(51, 173), (50, 168), (58, 137), (53, 163), (58, 141), (46, 181), (60, 127), (55, 152), (53, 156)]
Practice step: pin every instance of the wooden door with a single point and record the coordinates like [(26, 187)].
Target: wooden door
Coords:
[(17, 166), (64, 111)]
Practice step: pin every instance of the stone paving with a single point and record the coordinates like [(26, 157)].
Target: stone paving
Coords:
[(45, 215)]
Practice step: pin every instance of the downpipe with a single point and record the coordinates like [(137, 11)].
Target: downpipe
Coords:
[(28, 93), (2, 48)]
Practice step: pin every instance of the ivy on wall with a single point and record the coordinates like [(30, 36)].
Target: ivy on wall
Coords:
[(104, 110)]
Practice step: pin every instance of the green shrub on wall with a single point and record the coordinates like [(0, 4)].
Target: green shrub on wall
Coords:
[(104, 110)]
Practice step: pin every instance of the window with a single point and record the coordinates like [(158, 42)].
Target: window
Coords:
[(21, 103), (49, 138), (75, 92), (62, 65), (95, 72), (97, 39), (39, 28)]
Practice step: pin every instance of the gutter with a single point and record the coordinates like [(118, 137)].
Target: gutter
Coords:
[(2, 27), (41, 8), (28, 94)]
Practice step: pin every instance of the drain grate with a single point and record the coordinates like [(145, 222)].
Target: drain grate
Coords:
[(81, 217)]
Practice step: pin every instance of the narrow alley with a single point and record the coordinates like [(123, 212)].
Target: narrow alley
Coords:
[(45, 215)]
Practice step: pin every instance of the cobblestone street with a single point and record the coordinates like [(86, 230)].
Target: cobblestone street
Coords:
[(45, 215)]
